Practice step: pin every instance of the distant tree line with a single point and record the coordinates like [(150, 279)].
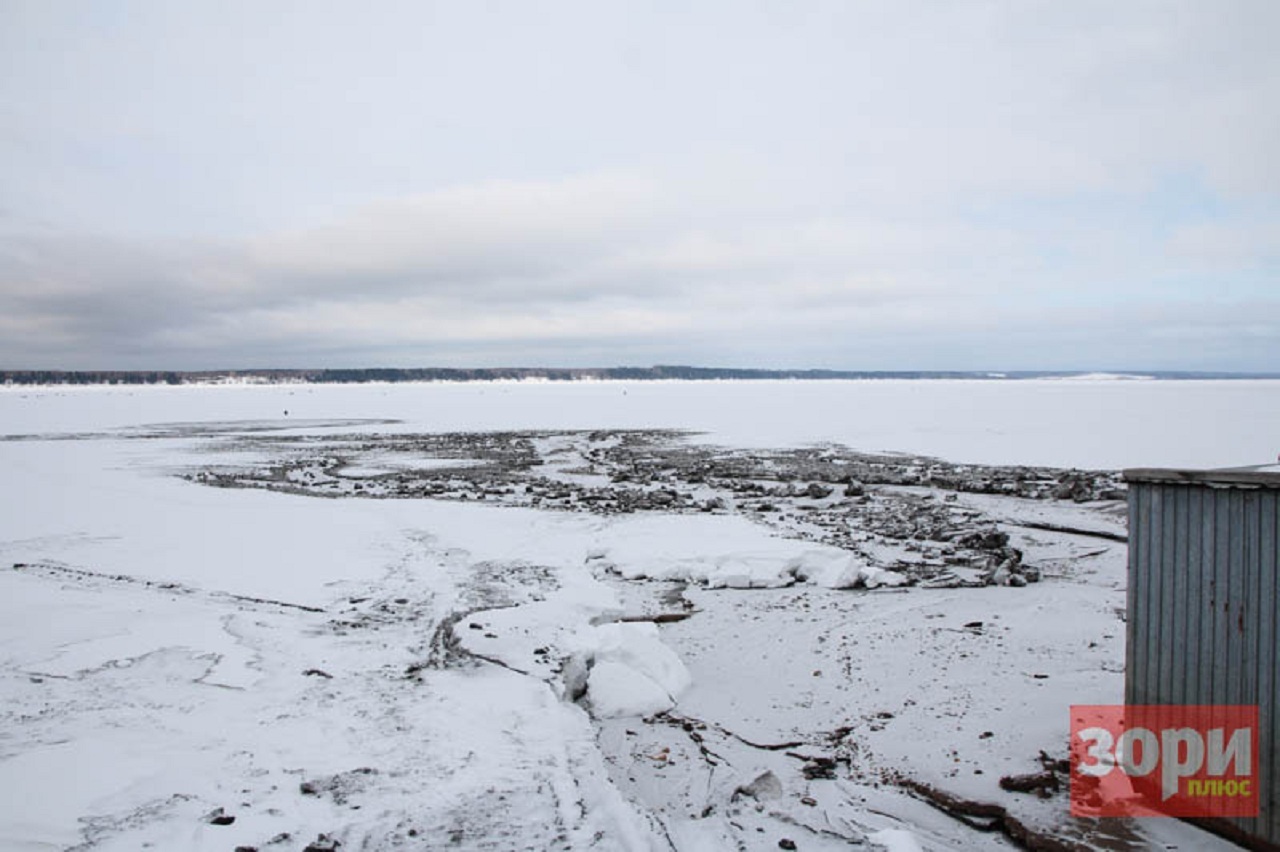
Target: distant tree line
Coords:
[(484, 374), (89, 377), (440, 374)]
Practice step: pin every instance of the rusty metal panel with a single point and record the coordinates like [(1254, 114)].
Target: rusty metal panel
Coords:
[(1204, 605)]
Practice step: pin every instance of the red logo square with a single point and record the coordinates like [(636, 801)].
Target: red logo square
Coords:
[(1164, 760)]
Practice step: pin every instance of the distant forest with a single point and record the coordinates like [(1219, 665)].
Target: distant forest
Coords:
[(487, 374)]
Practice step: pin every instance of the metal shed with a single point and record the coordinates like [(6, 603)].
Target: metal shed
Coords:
[(1204, 587)]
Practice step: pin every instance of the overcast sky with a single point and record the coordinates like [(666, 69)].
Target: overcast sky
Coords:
[(862, 185)]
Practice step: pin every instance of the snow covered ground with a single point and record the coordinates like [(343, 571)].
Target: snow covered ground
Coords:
[(280, 667), (1067, 422)]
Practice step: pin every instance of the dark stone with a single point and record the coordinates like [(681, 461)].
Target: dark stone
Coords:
[(323, 843), (219, 816), (819, 767), (991, 539), (1043, 784)]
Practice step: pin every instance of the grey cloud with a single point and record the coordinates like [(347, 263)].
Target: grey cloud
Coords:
[(611, 272), (826, 183)]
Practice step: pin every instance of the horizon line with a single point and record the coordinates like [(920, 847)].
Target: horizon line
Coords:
[(337, 375)]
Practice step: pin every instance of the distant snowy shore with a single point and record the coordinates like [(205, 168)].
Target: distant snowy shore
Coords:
[(201, 378), (1065, 423)]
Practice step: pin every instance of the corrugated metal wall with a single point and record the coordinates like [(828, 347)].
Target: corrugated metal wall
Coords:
[(1202, 610)]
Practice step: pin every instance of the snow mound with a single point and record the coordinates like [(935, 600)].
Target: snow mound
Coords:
[(615, 689), (629, 671), (729, 552), (896, 840), (740, 570), (849, 572)]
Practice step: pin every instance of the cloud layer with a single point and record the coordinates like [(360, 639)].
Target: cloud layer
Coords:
[(893, 186)]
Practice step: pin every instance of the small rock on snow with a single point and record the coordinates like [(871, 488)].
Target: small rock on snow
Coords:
[(765, 786)]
